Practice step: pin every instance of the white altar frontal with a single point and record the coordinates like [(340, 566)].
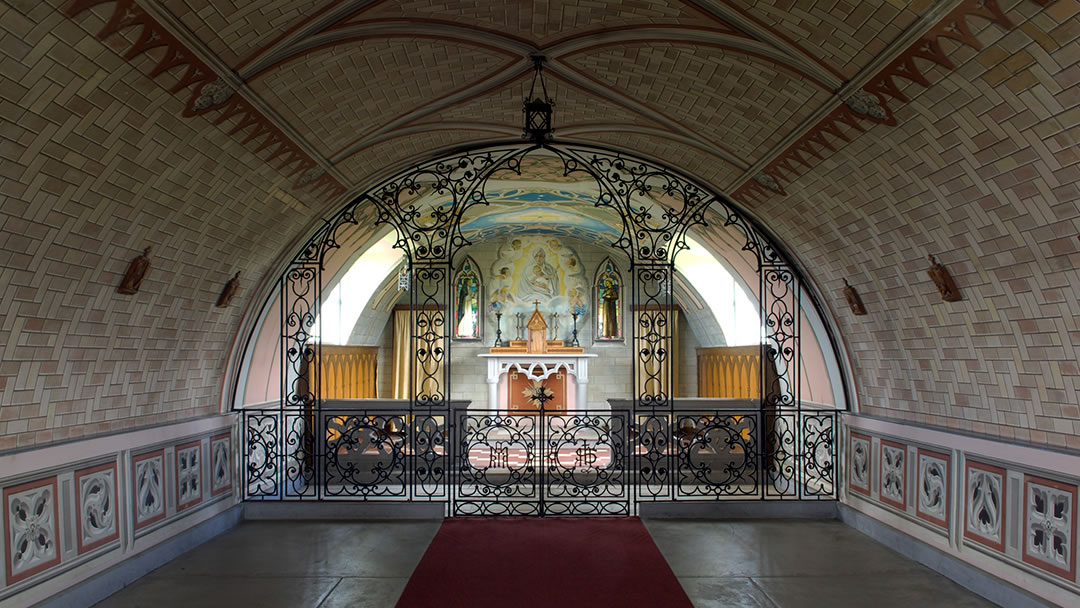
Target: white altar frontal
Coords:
[(536, 366)]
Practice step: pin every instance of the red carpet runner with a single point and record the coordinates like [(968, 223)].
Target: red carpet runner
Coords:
[(550, 562)]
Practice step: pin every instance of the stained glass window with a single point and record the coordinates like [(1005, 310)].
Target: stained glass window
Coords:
[(467, 303), (608, 303)]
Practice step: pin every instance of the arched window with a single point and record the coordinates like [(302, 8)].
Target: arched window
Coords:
[(609, 289), (467, 295)]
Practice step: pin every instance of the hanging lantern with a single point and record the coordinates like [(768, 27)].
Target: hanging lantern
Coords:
[(538, 109)]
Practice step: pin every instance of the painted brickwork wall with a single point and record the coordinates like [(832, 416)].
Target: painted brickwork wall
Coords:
[(95, 164), (983, 172)]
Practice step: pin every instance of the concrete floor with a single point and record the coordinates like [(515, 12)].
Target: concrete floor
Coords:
[(797, 564), (762, 564)]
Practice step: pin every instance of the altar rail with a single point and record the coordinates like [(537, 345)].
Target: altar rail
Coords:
[(596, 462)]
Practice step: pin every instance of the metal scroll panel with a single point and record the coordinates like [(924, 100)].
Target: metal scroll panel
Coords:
[(541, 463), (578, 463)]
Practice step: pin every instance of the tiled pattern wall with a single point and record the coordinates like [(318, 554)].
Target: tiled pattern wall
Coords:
[(62, 518), (972, 499), (95, 164), (983, 172)]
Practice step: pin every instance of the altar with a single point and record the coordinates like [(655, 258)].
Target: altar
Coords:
[(516, 370), (566, 374)]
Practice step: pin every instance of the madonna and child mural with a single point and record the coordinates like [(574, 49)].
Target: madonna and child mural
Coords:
[(538, 268)]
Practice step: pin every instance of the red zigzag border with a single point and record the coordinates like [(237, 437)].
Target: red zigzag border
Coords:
[(249, 125), (808, 149)]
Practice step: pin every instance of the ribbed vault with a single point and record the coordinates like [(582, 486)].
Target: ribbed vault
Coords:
[(865, 135)]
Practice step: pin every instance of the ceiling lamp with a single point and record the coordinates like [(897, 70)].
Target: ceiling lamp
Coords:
[(538, 109)]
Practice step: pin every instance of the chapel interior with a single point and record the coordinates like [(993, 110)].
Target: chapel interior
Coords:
[(539, 302)]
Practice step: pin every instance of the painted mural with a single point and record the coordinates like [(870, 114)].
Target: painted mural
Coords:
[(537, 267), (550, 211)]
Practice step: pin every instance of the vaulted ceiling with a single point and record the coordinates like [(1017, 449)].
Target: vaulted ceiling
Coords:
[(866, 134), (744, 93)]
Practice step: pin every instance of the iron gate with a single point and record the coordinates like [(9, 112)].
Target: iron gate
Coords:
[(541, 463)]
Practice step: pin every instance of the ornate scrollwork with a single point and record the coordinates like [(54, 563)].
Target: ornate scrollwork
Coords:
[(429, 444), (365, 455), (818, 440), (300, 310), (985, 503), (893, 474), (299, 454), (781, 453), (717, 454), (585, 456), (780, 314), (97, 507), (933, 488), (149, 489), (650, 441), (33, 537), (261, 434), (497, 456)]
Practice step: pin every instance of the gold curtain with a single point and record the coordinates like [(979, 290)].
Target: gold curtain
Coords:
[(348, 372), (647, 369), (732, 372), (405, 354)]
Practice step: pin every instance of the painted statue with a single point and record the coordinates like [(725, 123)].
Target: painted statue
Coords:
[(135, 274), (228, 291), (943, 281)]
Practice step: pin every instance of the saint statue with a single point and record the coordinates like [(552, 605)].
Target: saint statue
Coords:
[(944, 281), (135, 274), (229, 291), (609, 294)]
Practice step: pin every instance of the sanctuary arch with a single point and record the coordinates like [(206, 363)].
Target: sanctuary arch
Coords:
[(762, 441)]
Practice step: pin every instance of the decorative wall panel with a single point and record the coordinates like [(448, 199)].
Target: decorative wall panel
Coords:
[(149, 488), (220, 464), (984, 505), (932, 498), (1050, 526), (1020, 513), (31, 534), (188, 475), (893, 478), (68, 523), (859, 464), (96, 521)]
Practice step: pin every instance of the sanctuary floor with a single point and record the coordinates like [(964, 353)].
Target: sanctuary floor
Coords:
[(762, 564)]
